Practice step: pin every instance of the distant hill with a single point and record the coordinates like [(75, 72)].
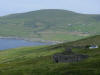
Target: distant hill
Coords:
[(50, 24), (39, 61)]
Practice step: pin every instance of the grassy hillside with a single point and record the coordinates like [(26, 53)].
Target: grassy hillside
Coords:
[(50, 24), (38, 60)]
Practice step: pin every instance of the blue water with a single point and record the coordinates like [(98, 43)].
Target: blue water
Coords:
[(13, 43)]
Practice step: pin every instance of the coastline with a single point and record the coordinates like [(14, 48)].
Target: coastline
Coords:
[(31, 39)]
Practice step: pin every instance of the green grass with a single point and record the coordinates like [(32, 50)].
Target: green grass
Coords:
[(38, 60), (61, 36), (31, 24)]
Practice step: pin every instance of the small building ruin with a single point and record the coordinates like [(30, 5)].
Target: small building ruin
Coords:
[(69, 58)]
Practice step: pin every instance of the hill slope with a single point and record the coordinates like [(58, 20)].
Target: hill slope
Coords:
[(38, 60), (50, 24)]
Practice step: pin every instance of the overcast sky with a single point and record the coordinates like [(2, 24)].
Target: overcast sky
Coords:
[(18, 6)]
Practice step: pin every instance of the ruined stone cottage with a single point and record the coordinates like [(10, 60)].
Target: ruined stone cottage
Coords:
[(68, 56)]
